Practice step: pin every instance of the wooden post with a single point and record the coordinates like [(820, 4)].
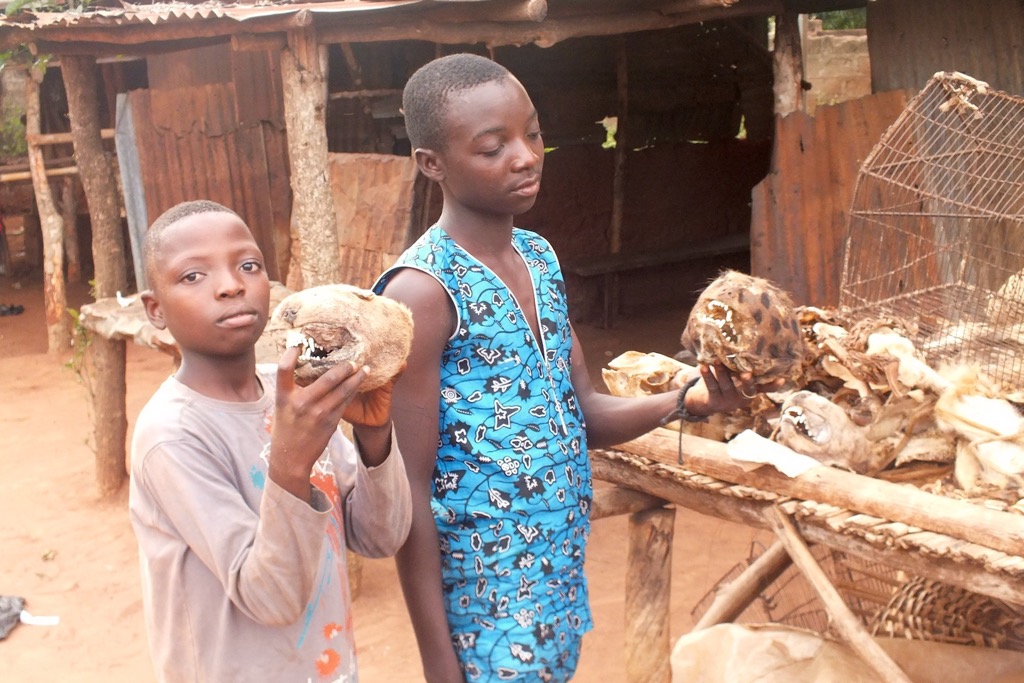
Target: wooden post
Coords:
[(58, 322), (314, 222), (611, 280), (97, 174), (648, 593), (846, 622), (788, 62), (617, 500), (304, 77), (69, 212), (741, 591)]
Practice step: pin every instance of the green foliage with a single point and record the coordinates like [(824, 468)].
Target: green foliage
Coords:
[(12, 135), (15, 6), (79, 363), (843, 19)]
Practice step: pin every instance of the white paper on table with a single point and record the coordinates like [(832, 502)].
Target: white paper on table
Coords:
[(749, 446), (33, 620)]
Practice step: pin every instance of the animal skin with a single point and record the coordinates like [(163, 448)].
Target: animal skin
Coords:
[(749, 325), (813, 425), (340, 323)]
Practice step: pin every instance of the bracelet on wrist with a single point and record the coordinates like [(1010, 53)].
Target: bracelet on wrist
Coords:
[(681, 413)]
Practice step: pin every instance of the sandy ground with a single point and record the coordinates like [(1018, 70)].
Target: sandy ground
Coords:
[(73, 556)]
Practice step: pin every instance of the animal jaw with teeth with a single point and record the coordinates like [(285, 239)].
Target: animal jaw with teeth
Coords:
[(340, 323), (814, 426), (749, 325)]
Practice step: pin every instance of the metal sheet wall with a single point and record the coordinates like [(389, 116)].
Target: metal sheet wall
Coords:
[(910, 40), (191, 147), (800, 210)]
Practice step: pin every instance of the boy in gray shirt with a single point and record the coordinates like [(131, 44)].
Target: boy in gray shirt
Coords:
[(244, 493)]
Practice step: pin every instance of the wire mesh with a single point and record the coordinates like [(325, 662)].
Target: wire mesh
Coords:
[(936, 229), (865, 587)]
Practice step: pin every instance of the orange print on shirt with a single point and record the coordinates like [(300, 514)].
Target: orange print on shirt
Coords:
[(327, 484), (327, 662), (332, 630)]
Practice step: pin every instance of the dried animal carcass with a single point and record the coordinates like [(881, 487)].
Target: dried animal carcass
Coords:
[(339, 323), (749, 325), (812, 425)]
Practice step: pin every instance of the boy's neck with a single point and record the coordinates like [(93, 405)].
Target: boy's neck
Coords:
[(221, 379), (477, 235)]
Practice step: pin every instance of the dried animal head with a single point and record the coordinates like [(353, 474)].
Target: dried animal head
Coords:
[(339, 323), (747, 324), (813, 425)]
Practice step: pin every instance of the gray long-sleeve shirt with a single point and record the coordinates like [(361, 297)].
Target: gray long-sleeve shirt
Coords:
[(242, 581)]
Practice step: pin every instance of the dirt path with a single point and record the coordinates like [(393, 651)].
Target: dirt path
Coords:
[(72, 556)]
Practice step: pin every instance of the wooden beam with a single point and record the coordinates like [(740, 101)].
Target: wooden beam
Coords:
[(742, 590), (62, 138), (27, 175), (476, 25), (258, 42), (514, 11), (554, 29), (614, 501), (895, 502), (75, 44), (670, 482), (845, 621)]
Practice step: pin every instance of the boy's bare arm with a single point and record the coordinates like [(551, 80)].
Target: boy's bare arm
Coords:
[(614, 419), (305, 419), (415, 410)]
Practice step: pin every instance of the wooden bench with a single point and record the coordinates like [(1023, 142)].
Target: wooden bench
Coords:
[(611, 265)]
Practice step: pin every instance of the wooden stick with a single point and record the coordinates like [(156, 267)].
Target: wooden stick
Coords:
[(851, 628), (27, 175), (898, 503), (611, 502), (62, 138), (648, 593), (740, 592)]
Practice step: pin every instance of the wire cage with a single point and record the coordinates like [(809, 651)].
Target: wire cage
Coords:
[(936, 229)]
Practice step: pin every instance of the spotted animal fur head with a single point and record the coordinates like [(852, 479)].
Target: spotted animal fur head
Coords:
[(747, 324)]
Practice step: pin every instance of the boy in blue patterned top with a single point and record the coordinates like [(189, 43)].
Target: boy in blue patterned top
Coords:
[(495, 410)]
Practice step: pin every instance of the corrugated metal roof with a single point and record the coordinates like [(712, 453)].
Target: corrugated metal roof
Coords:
[(171, 12)]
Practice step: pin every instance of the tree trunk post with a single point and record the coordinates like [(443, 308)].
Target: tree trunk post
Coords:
[(69, 211), (58, 322), (648, 593), (97, 174), (788, 64), (314, 223)]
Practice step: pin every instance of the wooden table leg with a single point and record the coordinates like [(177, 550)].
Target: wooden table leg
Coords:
[(849, 626)]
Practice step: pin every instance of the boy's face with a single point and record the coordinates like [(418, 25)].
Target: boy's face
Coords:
[(209, 287), (494, 155)]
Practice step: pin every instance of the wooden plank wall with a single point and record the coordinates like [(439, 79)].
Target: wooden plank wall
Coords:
[(191, 146), (800, 210), (373, 201)]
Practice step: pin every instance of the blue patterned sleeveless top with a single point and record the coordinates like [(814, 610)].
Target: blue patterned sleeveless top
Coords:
[(512, 484)]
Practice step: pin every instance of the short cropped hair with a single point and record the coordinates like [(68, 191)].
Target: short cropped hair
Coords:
[(425, 98), (154, 236)]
